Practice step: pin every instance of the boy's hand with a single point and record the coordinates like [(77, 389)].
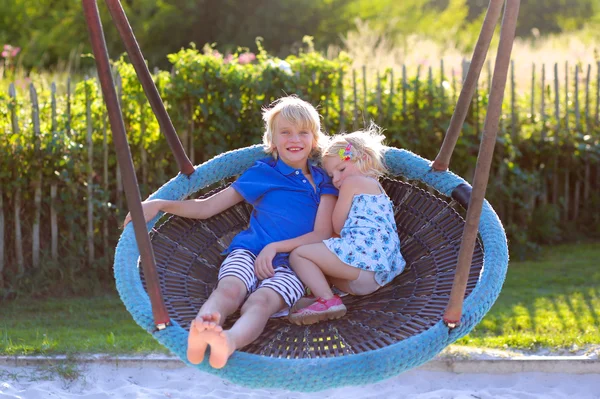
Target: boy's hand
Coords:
[(263, 265), (151, 209)]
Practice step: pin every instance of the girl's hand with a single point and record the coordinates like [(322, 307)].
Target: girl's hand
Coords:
[(263, 265), (150, 208)]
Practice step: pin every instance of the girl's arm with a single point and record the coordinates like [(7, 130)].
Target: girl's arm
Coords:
[(352, 185), (194, 209), (263, 265)]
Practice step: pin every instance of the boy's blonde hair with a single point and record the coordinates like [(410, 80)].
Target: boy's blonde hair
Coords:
[(298, 112), (366, 148)]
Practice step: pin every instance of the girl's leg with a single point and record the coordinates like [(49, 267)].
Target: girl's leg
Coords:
[(255, 313), (312, 262)]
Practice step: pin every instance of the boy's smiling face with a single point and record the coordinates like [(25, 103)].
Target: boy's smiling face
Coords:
[(293, 143)]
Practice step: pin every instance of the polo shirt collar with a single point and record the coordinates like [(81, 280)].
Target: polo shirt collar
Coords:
[(284, 168)]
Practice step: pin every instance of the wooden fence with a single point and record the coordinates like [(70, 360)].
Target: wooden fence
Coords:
[(561, 115)]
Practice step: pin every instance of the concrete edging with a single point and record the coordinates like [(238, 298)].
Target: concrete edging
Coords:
[(458, 365)]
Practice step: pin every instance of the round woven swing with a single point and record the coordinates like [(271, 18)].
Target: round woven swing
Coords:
[(396, 328)]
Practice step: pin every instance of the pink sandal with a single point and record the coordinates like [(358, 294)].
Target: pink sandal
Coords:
[(320, 310)]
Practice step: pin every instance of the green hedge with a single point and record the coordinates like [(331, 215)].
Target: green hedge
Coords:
[(215, 104)]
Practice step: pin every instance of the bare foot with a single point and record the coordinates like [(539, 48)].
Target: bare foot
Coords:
[(221, 347), (202, 327)]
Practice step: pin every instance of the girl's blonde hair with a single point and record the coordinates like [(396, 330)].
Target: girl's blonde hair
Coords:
[(366, 149), (298, 112)]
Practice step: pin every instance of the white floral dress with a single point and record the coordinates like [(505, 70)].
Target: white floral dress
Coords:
[(369, 239)]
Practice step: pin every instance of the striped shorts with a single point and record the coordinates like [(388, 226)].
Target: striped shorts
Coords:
[(240, 263)]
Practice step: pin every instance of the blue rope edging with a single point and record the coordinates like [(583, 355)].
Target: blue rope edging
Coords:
[(257, 371)]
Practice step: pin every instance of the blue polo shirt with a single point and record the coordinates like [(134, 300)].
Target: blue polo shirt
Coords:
[(285, 203)]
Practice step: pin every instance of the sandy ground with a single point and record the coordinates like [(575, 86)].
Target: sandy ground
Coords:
[(96, 381)]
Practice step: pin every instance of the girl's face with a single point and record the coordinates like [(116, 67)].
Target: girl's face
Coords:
[(339, 170), (293, 143)]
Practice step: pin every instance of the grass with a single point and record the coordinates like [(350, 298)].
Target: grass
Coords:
[(553, 303), (75, 325)]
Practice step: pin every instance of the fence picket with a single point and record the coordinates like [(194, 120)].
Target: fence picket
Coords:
[(53, 185), (37, 197), (543, 104), (354, 93), (90, 172), (105, 186), (532, 112), (379, 106), (119, 194), (404, 88), (2, 241), (341, 97), (391, 97), (513, 114), (556, 136)]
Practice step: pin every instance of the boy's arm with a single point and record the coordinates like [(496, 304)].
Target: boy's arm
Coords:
[(194, 209), (321, 231), (263, 265)]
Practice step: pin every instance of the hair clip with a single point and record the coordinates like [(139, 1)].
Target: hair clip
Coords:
[(346, 154)]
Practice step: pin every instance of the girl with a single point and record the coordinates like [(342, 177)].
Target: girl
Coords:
[(293, 202), (367, 255)]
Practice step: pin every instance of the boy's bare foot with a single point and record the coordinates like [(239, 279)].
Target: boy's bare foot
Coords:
[(221, 348), (200, 330)]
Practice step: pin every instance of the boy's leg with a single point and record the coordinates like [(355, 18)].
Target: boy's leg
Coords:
[(224, 300), (274, 294), (255, 313), (312, 262)]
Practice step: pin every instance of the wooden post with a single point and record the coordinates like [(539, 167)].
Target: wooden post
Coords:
[(37, 197), (53, 185), (90, 178), (453, 312)]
